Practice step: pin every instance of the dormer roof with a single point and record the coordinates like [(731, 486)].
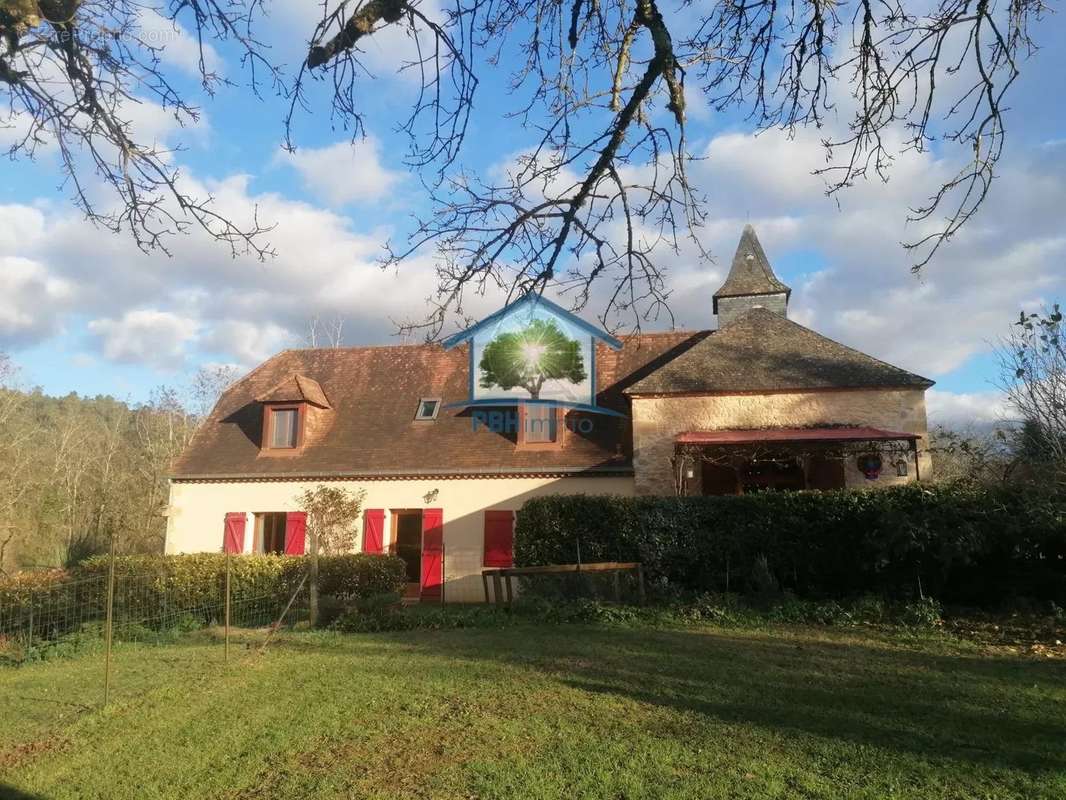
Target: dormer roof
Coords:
[(750, 273), (296, 388)]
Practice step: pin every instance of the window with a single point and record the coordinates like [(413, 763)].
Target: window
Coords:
[(428, 408), (284, 427), (539, 424), (269, 532)]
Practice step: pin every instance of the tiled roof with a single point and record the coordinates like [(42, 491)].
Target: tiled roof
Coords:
[(750, 273), (370, 428), (763, 351)]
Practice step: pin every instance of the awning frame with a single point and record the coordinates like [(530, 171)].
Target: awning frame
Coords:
[(837, 443)]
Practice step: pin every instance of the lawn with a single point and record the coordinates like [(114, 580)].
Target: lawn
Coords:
[(542, 712)]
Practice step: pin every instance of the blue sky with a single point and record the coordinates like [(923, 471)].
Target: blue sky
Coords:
[(82, 310)]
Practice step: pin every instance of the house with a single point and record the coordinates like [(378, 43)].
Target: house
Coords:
[(449, 440)]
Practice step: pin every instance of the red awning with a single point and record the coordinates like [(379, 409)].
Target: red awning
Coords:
[(794, 435)]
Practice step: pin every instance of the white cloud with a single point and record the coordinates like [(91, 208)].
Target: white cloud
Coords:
[(344, 172), (145, 336), (178, 47), (383, 53), (31, 300), (153, 124), (248, 342), (201, 302), (859, 289), (954, 409)]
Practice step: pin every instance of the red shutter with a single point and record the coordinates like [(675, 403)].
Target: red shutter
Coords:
[(373, 530), (432, 552), (499, 538), (295, 533), (233, 533)]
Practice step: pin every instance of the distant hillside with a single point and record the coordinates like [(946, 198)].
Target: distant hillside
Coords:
[(76, 470)]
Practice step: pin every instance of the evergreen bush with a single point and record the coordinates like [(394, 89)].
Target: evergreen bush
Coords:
[(962, 544)]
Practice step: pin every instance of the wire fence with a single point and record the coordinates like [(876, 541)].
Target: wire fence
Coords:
[(41, 622)]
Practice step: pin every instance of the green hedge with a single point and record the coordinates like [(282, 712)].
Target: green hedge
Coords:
[(963, 544), (160, 591)]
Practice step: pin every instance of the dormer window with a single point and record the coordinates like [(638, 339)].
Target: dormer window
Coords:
[(290, 410), (540, 426), (427, 408), (284, 428)]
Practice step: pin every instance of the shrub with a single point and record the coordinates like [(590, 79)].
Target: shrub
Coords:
[(161, 592), (374, 614), (923, 613), (964, 544)]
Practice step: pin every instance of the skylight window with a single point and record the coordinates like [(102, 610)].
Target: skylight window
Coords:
[(428, 408)]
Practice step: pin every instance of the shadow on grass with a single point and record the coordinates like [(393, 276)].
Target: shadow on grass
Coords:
[(8, 792), (934, 706)]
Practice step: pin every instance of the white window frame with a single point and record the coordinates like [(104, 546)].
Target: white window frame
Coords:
[(419, 416)]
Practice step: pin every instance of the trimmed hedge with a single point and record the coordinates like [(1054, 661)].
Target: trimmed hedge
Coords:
[(962, 544), (159, 591), (193, 579)]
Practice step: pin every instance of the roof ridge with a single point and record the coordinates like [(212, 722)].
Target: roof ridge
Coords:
[(350, 348), (357, 347)]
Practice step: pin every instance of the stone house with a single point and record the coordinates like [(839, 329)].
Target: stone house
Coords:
[(760, 403)]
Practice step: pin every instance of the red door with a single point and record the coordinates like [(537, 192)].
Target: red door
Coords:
[(432, 553)]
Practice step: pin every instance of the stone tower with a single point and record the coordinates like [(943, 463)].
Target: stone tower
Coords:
[(751, 282)]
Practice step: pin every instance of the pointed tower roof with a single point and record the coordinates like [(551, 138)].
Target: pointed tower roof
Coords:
[(751, 273)]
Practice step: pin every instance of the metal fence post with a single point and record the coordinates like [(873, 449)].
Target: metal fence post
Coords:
[(110, 619), (312, 600), (229, 558)]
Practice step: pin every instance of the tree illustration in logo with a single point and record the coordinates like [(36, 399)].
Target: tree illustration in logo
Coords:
[(529, 357)]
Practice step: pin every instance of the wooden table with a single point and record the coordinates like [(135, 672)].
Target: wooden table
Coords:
[(505, 574)]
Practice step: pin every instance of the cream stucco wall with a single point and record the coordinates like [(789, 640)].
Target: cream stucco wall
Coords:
[(197, 510), (658, 420)]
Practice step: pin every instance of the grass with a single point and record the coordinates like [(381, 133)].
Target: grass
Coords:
[(531, 711)]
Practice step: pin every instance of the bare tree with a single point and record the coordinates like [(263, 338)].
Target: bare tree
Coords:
[(163, 428), (208, 384), (1033, 377), (16, 439), (325, 333), (974, 455), (72, 71), (602, 184)]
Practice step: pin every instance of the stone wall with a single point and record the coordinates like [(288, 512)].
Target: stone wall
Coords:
[(729, 308), (658, 420)]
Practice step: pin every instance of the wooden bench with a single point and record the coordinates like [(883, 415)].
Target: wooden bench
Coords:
[(504, 575)]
